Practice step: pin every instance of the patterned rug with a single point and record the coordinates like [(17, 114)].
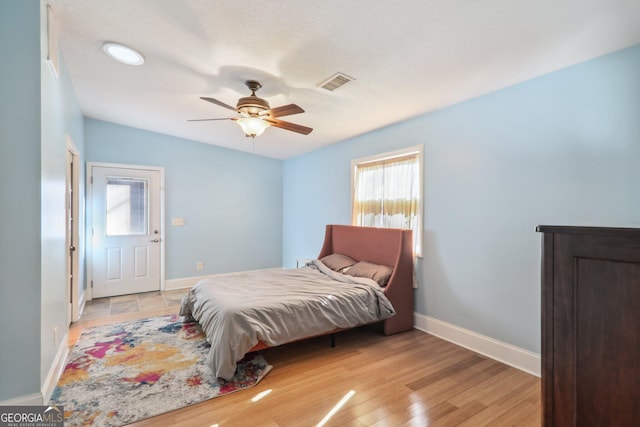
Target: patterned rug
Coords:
[(119, 374)]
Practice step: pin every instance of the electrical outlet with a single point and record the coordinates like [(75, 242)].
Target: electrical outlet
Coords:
[(199, 266)]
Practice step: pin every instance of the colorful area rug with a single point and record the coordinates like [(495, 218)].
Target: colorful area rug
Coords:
[(119, 374)]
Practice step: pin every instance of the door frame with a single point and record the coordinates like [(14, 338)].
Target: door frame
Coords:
[(73, 293), (89, 219)]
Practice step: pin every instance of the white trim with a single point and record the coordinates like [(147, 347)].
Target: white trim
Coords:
[(88, 291), (78, 233), (89, 219), (83, 302), (182, 283), (389, 155), (187, 282), (56, 369), (162, 229), (511, 355), (52, 43), (88, 236), (34, 399), (42, 398)]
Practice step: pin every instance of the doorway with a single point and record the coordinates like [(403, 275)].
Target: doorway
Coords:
[(126, 235), (72, 227)]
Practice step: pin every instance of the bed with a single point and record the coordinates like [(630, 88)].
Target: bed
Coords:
[(246, 311)]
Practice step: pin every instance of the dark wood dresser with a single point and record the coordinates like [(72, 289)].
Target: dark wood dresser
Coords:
[(590, 326)]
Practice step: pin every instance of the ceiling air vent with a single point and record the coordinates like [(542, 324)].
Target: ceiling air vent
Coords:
[(335, 81)]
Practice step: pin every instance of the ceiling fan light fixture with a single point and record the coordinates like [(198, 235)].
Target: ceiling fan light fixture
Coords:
[(256, 115), (122, 53), (252, 126)]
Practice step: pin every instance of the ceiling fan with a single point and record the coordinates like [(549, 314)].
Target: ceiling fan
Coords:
[(256, 115)]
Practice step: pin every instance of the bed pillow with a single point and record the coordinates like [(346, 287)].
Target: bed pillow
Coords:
[(338, 262), (380, 273)]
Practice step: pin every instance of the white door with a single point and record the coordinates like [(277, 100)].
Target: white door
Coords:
[(126, 230)]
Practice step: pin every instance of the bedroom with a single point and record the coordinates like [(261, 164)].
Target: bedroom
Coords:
[(559, 148)]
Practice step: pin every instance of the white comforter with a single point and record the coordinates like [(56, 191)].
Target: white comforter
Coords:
[(278, 306)]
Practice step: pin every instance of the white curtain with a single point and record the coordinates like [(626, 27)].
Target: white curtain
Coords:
[(387, 194)]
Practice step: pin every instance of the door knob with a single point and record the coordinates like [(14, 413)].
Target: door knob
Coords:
[(155, 240)]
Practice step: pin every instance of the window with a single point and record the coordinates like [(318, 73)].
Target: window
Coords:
[(127, 206), (387, 192)]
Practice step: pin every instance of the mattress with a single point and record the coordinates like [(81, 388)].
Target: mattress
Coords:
[(238, 310)]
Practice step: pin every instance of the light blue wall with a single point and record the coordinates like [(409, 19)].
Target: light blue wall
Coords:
[(560, 149), (61, 120), (19, 198), (37, 111), (231, 201)]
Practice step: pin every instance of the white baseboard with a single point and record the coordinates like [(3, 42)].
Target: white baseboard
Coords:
[(56, 370), (187, 282), (83, 303), (38, 399), (34, 399), (511, 355)]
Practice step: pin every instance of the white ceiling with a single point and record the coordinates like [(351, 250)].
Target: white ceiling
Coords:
[(408, 57)]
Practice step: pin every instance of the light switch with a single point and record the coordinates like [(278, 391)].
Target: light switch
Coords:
[(177, 221)]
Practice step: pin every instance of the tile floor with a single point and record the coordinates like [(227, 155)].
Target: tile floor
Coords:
[(103, 307)]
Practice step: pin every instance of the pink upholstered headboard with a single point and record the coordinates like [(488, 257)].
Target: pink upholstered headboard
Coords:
[(388, 246)]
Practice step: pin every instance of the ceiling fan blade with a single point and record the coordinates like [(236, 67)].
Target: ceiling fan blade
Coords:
[(206, 120), (290, 126), (285, 110), (220, 103)]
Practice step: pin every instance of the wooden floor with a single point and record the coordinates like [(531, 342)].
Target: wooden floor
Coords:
[(408, 379)]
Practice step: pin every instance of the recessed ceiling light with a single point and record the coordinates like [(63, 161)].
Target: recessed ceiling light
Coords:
[(123, 54)]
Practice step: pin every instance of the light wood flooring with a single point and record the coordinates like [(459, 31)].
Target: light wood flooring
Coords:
[(408, 379)]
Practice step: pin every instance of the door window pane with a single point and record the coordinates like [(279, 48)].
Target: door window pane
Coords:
[(127, 206)]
